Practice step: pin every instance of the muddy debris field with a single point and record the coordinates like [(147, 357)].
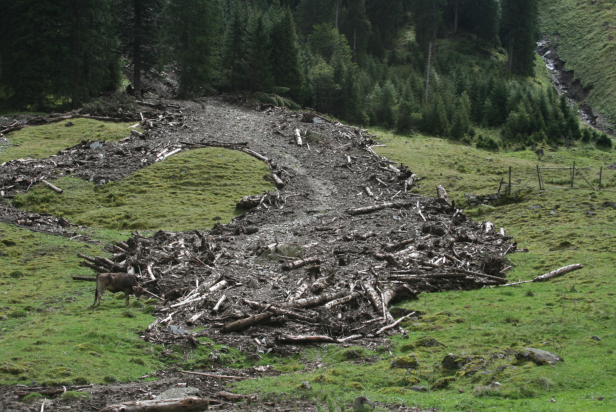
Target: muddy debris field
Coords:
[(322, 257)]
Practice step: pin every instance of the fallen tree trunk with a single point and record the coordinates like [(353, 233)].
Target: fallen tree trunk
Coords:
[(53, 187), (375, 208), (298, 137), (549, 275), (246, 322), (315, 300), (278, 181), (441, 193), (278, 311), (342, 300), (191, 404), (302, 262), (377, 302)]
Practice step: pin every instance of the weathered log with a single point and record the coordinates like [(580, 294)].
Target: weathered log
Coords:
[(137, 134), (246, 322), (93, 266), (195, 318), (305, 339), (375, 208), (53, 187), (342, 300), (191, 404), (298, 137), (219, 303), (278, 181), (302, 262), (392, 247), (441, 193), (257, 155), (549, 275), (86, 257), (368, 191), (315, 300), (210, 282), (299, 292), (220, 285), (211, 375), (376, 301)]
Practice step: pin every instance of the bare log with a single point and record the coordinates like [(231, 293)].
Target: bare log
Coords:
[(53, 187), (441, 193), (342, 300), (257, 155), (211, 375), (220, 285), (315, 301), (375, 208), (86, 257), (246, 322), (278, 181), (299, 292), (298, 137), (377, 303), (195, 318), (558, 272), (219, 303), (305, 339), (549, 275), (93, 266), (299, 263), (209, 282), (190, 404)]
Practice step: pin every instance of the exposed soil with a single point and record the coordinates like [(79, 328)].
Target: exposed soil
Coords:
[(297, 248)]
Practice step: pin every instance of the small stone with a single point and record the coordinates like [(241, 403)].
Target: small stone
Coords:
[(419, 388), (600, 398), (597, 338), (363, 404), (489, 159), (306, 385), (495, 385), (553, 400), (69, 124)]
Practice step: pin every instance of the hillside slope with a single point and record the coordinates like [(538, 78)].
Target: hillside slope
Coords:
[(583, 34)]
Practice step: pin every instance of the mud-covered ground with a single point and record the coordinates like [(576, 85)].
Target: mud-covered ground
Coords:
[(295, 250)]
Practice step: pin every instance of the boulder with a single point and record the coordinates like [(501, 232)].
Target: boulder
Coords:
[(363, 404), (540, 357), (405, 362)]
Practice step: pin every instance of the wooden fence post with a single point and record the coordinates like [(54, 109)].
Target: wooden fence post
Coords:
[(600, 176), (539, 177)]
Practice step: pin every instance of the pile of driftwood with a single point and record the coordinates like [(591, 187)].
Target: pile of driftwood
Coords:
[(336, 286)]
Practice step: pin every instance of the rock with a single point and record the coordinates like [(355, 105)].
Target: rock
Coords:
[(419, 388), (178, 392), (362, 403), (535, 207), (69, 124), (540, 357), (451, 361), (609, 204), (96, 145), (405, 362), (305, 385), (489, 159), (495, 385), (597, 338)]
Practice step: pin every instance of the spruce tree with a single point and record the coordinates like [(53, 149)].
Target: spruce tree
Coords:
[(519, 34), (386, 17), (139, 35), (357, 27), (233, 47), (191, 38), (257, 52), (313, 12), (285, 56)]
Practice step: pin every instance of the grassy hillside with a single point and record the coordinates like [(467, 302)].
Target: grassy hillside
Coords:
[(559, 227), (585, 33)]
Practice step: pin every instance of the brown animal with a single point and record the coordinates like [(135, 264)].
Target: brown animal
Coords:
[(116, 282)]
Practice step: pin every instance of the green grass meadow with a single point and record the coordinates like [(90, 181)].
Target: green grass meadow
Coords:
[(190, 190), (49, 335), (44, 141)]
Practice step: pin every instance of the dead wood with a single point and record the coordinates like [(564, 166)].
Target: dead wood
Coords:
[(315, 300), (244, 323), (393, 325), (441, 193), (301, 262), (53, 187), (375, 208), (212, 375), (550, 275), (377, 302), (278, 311), (190, 404)]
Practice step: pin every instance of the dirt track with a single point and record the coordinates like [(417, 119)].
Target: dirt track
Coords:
[(329, 175)]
